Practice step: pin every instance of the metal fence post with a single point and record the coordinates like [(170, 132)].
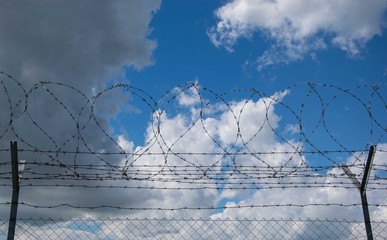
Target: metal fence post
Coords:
[(362, 189), (363, 194), (15, 191)]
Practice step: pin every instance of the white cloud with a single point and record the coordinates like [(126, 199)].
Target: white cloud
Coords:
[(292, 128), (81, 44), (189, 98), (311, 196), (126, 145), (172, 138), (298, 27), (242, 127)]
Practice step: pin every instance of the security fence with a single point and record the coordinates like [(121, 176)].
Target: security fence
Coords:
[(231, 160), (281, 229)]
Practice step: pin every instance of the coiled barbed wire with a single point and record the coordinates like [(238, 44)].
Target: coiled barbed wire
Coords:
[(73, 161)]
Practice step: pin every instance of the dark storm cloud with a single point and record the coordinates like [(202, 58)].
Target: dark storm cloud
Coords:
[(82, 44), (77, 42)]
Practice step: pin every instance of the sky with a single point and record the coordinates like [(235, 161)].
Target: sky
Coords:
[(186, 70)]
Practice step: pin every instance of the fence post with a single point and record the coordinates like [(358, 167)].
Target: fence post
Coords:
[(363, 194), (15, 191), (362, 189)]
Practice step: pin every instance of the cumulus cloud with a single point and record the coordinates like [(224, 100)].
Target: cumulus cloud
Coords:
[(252, 126), (312, 196), (81, 43), (298, 27), (81, 46), (170, 136), (77, 46), (191, 120)]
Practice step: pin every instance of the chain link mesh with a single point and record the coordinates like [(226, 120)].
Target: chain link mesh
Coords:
[(192, 229)]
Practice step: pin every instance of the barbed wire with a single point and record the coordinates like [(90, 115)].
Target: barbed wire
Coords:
[(296, 160), (191, 174), (67, 205)]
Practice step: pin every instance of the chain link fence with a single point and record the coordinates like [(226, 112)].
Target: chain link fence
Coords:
[(212, 145), (205, 229)]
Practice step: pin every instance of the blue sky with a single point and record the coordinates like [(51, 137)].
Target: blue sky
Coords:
[(185, 53), (159, 48)]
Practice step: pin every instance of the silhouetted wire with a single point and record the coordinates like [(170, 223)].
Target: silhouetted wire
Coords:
[(235, 165)]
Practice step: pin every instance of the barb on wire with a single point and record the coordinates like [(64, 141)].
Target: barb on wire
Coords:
[(195, 138)]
